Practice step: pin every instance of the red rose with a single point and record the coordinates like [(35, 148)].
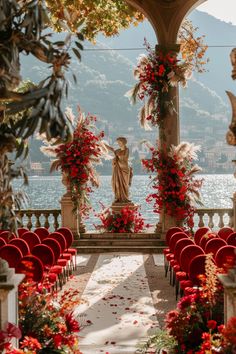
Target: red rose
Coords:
[(211, 324)]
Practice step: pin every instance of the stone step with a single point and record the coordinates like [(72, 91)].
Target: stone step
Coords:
[(91, 235), (105, 249), (117, 242)]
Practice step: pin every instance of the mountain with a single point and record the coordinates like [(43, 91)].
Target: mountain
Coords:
[(105, 75)]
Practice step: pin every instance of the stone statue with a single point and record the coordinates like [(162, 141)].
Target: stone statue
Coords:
[(233, 62), (231, 134), (121, 171)]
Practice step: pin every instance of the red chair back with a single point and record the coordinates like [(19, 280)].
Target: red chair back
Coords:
[(66, 232), (42, 232), (200, 233), (45, 254), (21, 244), (54, 245), (187, 255), (197, 267), (180, 244), (21, 231), (224, 255), (214, 244), (231, 239), (205, 239), (176, 237), (60, 238), (7, 235), (31, 239), (12, 254), (32, 267), (225, 232), (171, 232), (2, 241)]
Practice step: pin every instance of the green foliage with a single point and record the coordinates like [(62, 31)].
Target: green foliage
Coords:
[(101, 16)]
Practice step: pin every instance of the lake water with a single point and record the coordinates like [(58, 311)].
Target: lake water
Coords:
[(45, 193)]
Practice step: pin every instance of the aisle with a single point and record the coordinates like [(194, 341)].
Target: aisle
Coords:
[(118, 304)]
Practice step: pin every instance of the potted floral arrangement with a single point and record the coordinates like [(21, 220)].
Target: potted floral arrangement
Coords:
[(128, 220)]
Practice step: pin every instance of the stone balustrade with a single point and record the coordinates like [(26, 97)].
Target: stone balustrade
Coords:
[(214, 218), (32, 218), (51, 218)]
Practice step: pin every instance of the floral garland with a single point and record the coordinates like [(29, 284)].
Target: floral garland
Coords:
[(128, 220), (176, 189), (156, 73), (77, 158)]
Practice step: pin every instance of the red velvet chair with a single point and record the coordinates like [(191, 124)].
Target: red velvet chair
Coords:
[(214, 244), (46, 256), (65, 258), (197, 267), (200, 233), (21, 244), (180, 244), (205, 239), (7, 235), (224, 232), (32, 267), (231, 239), (225, 254), (66, 232), (186, 255), (59, 269), (2, 242), (64, 255), (166, 251), (21, 231), (42, 232), (12, 254), (171, 257), (31, 239)]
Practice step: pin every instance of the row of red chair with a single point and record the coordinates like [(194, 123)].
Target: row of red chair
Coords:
[(185, 257), (48, 252)]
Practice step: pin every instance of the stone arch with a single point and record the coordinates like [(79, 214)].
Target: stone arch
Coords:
[(165, 16)]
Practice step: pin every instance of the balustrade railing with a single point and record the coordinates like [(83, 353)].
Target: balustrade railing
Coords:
[(51, 218), (32, 218), (214, 218)]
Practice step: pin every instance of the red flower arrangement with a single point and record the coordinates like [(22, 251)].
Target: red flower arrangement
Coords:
[(46, 321), (77, 158), (176, 189), (156, 72), (128, 220)]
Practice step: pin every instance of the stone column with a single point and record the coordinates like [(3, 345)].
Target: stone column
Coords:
[(229, 284), (234, 211), (169, 133), (70, 217), (9, 282)]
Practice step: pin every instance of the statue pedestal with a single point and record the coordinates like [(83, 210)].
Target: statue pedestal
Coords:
[(9, 282), (116, 207)]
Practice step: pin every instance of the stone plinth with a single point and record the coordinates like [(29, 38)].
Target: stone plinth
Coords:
[(9, 282), (69, 217), (117, 207), (229, 284)]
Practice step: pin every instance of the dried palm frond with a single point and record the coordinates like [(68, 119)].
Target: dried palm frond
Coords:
[(143, 118), (132, 94)]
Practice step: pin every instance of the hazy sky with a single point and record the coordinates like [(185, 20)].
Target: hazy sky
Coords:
[(222, 9)]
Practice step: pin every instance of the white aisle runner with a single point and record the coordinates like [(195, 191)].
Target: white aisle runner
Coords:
[(119, 305)]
